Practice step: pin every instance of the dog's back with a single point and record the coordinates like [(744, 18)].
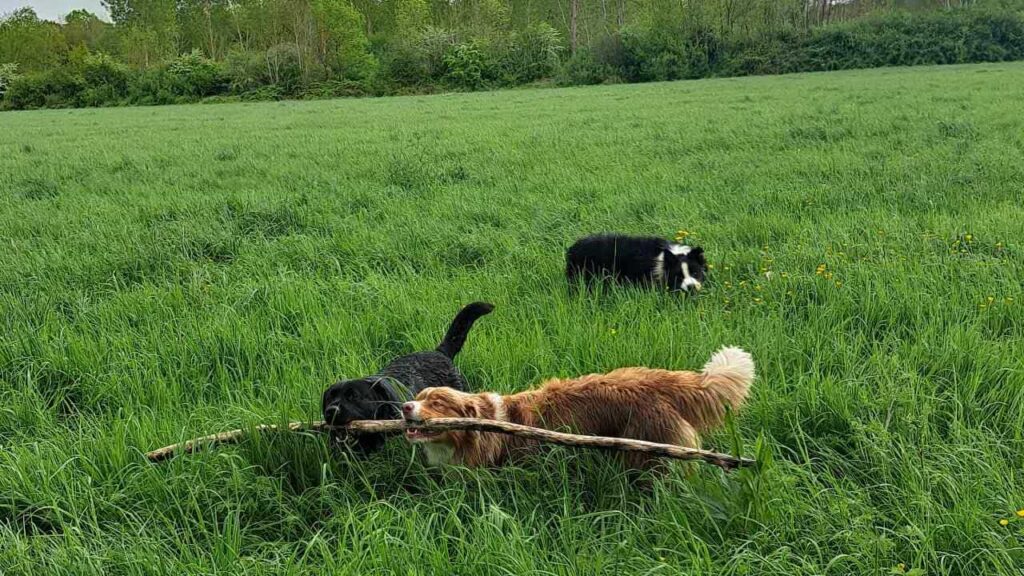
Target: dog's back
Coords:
[(664, 406), (614, 255), (433, 368)]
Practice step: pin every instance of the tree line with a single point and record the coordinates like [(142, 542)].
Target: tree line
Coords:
[(168, 51)]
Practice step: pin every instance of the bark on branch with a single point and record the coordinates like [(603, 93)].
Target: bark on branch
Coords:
[(723, 461)]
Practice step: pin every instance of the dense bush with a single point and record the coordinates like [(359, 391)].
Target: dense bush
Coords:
[(464, 66), (53, 88), (896, 39), (193, 75), (8, 72)]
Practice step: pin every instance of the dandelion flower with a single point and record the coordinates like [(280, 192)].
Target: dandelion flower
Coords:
[(839, 284), (1003, 522), (612, 331), (758, 300), (820, 269), (901, 567), (1020, 513), (969, 237)]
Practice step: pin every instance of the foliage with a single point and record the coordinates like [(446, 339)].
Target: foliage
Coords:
[(464, 66), (193, 75), (8, 72), (189, 50)]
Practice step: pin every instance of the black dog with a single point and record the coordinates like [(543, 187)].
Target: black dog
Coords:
[(635, 259), (380, 397)]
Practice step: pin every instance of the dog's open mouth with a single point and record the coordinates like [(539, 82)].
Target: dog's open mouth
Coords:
[(419, 435)]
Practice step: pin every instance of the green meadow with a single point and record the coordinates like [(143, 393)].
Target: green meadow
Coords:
[(169, 272)]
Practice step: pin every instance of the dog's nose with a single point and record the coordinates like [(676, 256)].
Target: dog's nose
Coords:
[(407, 408), (330, 412)]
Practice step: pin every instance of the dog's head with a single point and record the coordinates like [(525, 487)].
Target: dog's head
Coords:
[(371, 398), (448, 403), (684, 267)]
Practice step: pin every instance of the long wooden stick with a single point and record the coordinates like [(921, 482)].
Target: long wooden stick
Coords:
[(723, 461)]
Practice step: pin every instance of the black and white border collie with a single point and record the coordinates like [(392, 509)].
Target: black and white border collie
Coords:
[(379, 397), (647, 260)]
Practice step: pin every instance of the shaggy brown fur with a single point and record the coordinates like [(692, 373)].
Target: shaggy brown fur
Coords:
[(669, 407)]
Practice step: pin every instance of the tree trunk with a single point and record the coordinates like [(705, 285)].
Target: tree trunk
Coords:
[(574, 10)]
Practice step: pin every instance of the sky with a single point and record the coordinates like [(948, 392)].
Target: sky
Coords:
[(54, 9)]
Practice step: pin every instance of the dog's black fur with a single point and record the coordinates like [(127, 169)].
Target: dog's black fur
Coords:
[(379, 397), (645, 260)]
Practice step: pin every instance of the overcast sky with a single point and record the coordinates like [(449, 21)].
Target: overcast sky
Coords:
[(54, 9)]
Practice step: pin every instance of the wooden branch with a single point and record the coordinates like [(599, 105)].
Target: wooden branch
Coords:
[(723, 461), (229, 437)]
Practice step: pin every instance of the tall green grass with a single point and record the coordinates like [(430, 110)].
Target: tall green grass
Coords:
[(169, 272)]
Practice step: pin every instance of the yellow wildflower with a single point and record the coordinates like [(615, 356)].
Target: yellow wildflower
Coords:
[(820, 269), (1003, 522), (758, 300), (1020, 513)]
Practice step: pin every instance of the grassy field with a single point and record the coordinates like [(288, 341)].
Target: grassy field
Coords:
[(173, 271)]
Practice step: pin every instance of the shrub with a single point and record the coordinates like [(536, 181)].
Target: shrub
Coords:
[(464, 66), (8, 72), (245, 71), (529, 55), (582, 68), (196, 76), (53, 88), (284, 67)]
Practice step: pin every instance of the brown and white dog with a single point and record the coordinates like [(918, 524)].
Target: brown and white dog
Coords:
[(670, 407)]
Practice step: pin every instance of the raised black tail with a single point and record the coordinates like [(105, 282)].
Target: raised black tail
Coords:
[(456, 335)]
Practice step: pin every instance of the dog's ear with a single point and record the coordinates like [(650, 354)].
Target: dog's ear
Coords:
[(388, 390), (697, 253)]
